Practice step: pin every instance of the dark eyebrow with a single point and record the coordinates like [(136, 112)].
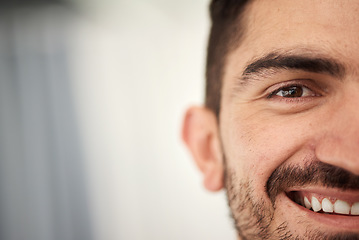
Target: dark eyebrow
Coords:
[(275, 61)]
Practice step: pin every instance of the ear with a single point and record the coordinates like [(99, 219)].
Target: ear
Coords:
[(201, 135)]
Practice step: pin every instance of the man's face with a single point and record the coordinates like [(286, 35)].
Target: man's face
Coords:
[(289, 121)]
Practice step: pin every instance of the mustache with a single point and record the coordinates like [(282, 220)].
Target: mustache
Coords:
[(316, 172)]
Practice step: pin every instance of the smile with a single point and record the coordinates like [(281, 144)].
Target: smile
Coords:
[(347, 205), (329, 209)]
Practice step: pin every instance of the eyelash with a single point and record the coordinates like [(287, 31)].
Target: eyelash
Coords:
[(304, 88)]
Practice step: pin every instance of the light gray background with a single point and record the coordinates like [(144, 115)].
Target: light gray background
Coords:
[(140, 67)]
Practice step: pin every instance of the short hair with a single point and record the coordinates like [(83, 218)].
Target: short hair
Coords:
[(225, 34)]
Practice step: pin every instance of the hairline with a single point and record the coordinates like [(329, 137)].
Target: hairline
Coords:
[(239, 25)]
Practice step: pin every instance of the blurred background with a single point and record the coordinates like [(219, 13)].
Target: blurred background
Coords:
[(92, 95)]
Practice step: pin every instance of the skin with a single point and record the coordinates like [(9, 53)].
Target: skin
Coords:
[(260, 131)]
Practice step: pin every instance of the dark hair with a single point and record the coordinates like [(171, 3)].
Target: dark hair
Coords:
[(225, 34)]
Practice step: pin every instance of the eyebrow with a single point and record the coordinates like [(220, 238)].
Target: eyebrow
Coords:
[(290, 61)]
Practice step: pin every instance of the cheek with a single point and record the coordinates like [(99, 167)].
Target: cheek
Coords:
[(257, 145)]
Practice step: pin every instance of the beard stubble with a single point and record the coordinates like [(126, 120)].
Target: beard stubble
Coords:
[(254, 216)]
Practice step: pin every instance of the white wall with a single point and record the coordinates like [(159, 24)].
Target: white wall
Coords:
[(138, 65)]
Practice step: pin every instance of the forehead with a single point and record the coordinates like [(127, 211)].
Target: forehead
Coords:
[(329, 26)]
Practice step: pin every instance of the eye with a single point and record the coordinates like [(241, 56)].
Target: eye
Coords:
[(293, 91)]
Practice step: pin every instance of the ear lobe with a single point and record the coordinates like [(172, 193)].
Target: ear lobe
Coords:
[(200, 133)]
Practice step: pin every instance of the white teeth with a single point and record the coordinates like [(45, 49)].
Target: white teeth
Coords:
[(316, 205), (355, 209), (307, 203), (341, 207), (327, 205)]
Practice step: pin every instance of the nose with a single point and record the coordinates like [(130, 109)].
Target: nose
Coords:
[(339, 143)]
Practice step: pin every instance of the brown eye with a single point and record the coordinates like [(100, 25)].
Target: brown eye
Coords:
[(290, 92)]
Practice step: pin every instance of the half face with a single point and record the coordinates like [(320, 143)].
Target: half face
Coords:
[(289, 121)]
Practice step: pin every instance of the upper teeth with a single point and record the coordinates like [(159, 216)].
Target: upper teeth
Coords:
[(327, 206), (340, 207)]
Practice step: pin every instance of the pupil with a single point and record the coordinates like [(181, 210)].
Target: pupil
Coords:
[(293, 92)]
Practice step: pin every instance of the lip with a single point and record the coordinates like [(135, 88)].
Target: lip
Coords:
[(336, 223), (348, 196)]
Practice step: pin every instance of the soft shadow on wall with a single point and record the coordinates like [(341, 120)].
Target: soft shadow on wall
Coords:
[(43, 192)]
